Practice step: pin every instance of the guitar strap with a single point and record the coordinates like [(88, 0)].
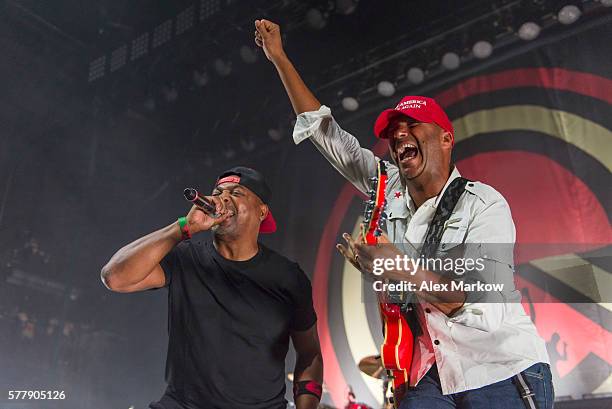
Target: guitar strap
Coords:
[(432, 241), (444, 210)]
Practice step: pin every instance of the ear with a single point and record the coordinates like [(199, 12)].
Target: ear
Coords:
[(263, 212), (446, 139)]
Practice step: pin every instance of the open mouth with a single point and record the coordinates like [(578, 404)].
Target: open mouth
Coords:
[(231, 209), (229, 220), (407, 151)]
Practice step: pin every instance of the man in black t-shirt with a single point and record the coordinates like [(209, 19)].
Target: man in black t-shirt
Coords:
[(233, 303)]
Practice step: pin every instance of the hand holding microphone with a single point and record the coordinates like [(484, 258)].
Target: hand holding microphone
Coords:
[(207, 211), (207, 205)]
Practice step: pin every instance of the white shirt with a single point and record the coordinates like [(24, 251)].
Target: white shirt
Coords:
[(487, 340)]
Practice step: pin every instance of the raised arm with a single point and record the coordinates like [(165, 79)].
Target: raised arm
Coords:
[(314, 121), (135, 267), (267, 36)]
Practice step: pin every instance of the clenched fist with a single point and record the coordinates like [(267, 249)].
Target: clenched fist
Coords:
[(199, 221), (268, 37)]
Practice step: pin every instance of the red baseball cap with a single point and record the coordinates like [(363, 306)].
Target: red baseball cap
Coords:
[(423, 109), (253, 180)]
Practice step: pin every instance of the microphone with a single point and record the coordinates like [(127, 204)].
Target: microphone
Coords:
[(201, 201)]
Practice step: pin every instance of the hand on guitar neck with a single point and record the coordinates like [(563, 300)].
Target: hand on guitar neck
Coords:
[(373, 244)]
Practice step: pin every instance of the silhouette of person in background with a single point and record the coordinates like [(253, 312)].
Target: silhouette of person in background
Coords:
[(555, 356)]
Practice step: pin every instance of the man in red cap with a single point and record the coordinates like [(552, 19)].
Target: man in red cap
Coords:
[(233, 303), (471, 350)]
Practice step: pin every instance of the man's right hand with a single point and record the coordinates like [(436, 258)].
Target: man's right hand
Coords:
[(268, 37), (135, 267), (199, 221)]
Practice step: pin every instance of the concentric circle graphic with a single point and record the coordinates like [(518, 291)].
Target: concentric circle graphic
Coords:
[(552, 165)]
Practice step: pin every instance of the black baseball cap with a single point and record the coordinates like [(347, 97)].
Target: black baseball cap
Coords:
[(255, 182)]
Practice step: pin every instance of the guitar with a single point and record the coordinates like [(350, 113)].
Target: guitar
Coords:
[(396, 350)]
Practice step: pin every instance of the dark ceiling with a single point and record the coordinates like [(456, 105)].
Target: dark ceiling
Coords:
[(106, 23), (250, 99), (100, 23), (89, 30)]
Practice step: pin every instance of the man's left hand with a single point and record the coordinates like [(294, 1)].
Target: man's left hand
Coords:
[(362, 255)]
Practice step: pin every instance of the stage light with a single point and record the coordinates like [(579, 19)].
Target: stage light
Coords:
[(162, 33), (529, 31), (118, 58), (350, 104), (222, 67), (316, 19), (482, 49), (96, 68), (74, 294), (451, 61), (209, 8), (229, 152), (247, 143), (415, 75), (248, 54), (346, 7), (140, 46), (276, 134), (385, 88), (200, 78), (184, 21), (170, 93), (569, 14)]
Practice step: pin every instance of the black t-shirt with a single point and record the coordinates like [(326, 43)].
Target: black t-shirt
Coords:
[(229, 324)]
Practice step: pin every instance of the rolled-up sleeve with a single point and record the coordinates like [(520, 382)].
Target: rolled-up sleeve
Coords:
[(339, 147)]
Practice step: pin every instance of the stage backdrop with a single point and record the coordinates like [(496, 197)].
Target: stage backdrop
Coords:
[(536, 125)]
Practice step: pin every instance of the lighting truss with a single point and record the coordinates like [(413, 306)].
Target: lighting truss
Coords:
[(118, 58), (162, 33), (184, 21), (96, 68), (140, 46)]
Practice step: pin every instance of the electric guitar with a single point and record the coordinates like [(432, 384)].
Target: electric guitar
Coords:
[(396, 350)]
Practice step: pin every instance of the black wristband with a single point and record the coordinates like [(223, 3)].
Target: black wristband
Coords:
[(307, 387)]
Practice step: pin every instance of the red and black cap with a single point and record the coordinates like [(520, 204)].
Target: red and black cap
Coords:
[(423, 109), (254, 181)]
